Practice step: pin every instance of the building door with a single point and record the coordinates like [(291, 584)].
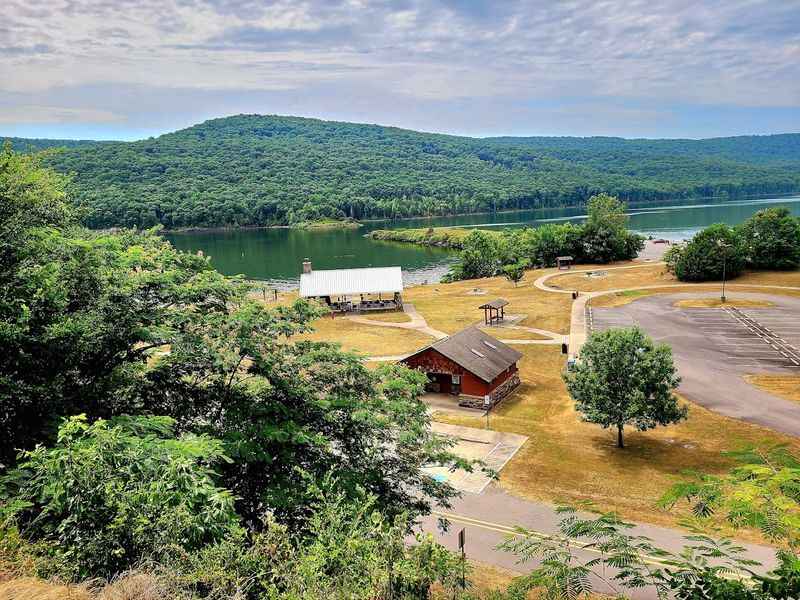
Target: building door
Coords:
[(455, 385)]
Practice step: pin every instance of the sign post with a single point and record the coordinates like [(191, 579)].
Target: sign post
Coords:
[(461, 540)]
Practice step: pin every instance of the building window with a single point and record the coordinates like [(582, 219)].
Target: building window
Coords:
[(456, 379)]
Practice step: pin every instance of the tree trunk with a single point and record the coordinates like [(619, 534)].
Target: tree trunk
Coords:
[(620, 443)]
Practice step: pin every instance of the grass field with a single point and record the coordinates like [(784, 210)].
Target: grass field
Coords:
[(388, 317), (367, 339), (657, 274), (451, 307)]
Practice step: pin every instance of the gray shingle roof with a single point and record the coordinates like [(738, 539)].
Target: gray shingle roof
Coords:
[(345, 282), (478, 352), (499, 303)]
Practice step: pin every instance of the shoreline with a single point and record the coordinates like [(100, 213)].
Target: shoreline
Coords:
[(362, 222)]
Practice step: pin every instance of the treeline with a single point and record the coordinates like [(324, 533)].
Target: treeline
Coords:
[(267, 170), (769, 240)]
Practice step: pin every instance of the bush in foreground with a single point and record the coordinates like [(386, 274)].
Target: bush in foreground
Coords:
[(111, 494)]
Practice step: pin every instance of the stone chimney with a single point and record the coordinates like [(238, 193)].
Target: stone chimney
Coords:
[(306, 266)]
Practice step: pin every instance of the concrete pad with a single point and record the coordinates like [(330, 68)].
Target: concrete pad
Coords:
[(494, 448)]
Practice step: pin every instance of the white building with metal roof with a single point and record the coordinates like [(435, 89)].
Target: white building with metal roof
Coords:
[(374, 288)]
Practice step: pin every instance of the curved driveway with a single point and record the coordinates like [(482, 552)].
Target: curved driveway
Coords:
[(713, 348)]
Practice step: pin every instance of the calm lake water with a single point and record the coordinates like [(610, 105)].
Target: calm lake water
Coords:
[(276, 254)]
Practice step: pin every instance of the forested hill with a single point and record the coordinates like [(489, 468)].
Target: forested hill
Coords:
[(262, 170)]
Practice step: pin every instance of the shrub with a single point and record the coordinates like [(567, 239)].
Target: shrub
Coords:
[(771, 239), (113, 493), (705, 256)]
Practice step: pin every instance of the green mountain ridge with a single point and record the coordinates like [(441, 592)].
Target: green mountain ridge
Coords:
[(266, 170)]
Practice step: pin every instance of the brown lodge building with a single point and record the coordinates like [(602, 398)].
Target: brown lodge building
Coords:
[(471, 365)]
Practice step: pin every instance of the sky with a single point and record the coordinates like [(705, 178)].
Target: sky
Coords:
[(129, 69)]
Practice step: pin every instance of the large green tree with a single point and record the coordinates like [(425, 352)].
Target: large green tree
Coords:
[(712, 252), (605, 236), (623, 379), (771, 239)]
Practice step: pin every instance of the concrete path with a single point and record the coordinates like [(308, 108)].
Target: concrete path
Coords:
[(493, 448), (417, 322), (489, 518)]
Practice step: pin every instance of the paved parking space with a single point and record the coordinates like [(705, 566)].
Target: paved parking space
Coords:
[(714, 347)]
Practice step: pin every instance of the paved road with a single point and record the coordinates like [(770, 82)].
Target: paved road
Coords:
[(489, 518), (714, 348)]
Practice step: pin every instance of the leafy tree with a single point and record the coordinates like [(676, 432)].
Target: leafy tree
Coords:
[(761, 491), (704, 257), (605, 236), (480, 256), (705, 569), (771, 239), (515, 272), (622, 378), (551, 240), (111, 494)]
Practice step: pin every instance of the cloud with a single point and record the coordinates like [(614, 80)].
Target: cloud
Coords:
[(631, 61), (55, 114)]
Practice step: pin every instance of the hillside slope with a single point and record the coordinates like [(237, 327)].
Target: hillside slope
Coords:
[(262, 170)]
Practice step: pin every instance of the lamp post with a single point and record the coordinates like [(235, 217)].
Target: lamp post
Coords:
[(724, 249)]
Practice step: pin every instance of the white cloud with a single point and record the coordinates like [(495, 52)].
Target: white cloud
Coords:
[(738, 53), (55, 114)]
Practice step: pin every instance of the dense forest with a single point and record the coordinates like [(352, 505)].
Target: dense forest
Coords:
[(266, 170)]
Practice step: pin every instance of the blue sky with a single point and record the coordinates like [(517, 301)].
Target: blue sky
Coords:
[(127, 69)]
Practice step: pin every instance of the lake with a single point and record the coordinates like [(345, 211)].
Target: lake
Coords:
[(276, 254)]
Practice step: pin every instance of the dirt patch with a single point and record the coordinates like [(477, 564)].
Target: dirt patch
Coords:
[(783, 386), (717, 303)]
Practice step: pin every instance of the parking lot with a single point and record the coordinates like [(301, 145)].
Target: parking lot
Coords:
[(714, 347)]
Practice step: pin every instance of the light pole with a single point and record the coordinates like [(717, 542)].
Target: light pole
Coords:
[(724, 249)]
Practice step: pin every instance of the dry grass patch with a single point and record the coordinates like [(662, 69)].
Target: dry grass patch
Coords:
[(614, 279), (657, 274), (388, 317), (507, 333), (787, 278), (717, 303), (783, 386), (371, 340), (617, 298), (568, 461), (450, 307)]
